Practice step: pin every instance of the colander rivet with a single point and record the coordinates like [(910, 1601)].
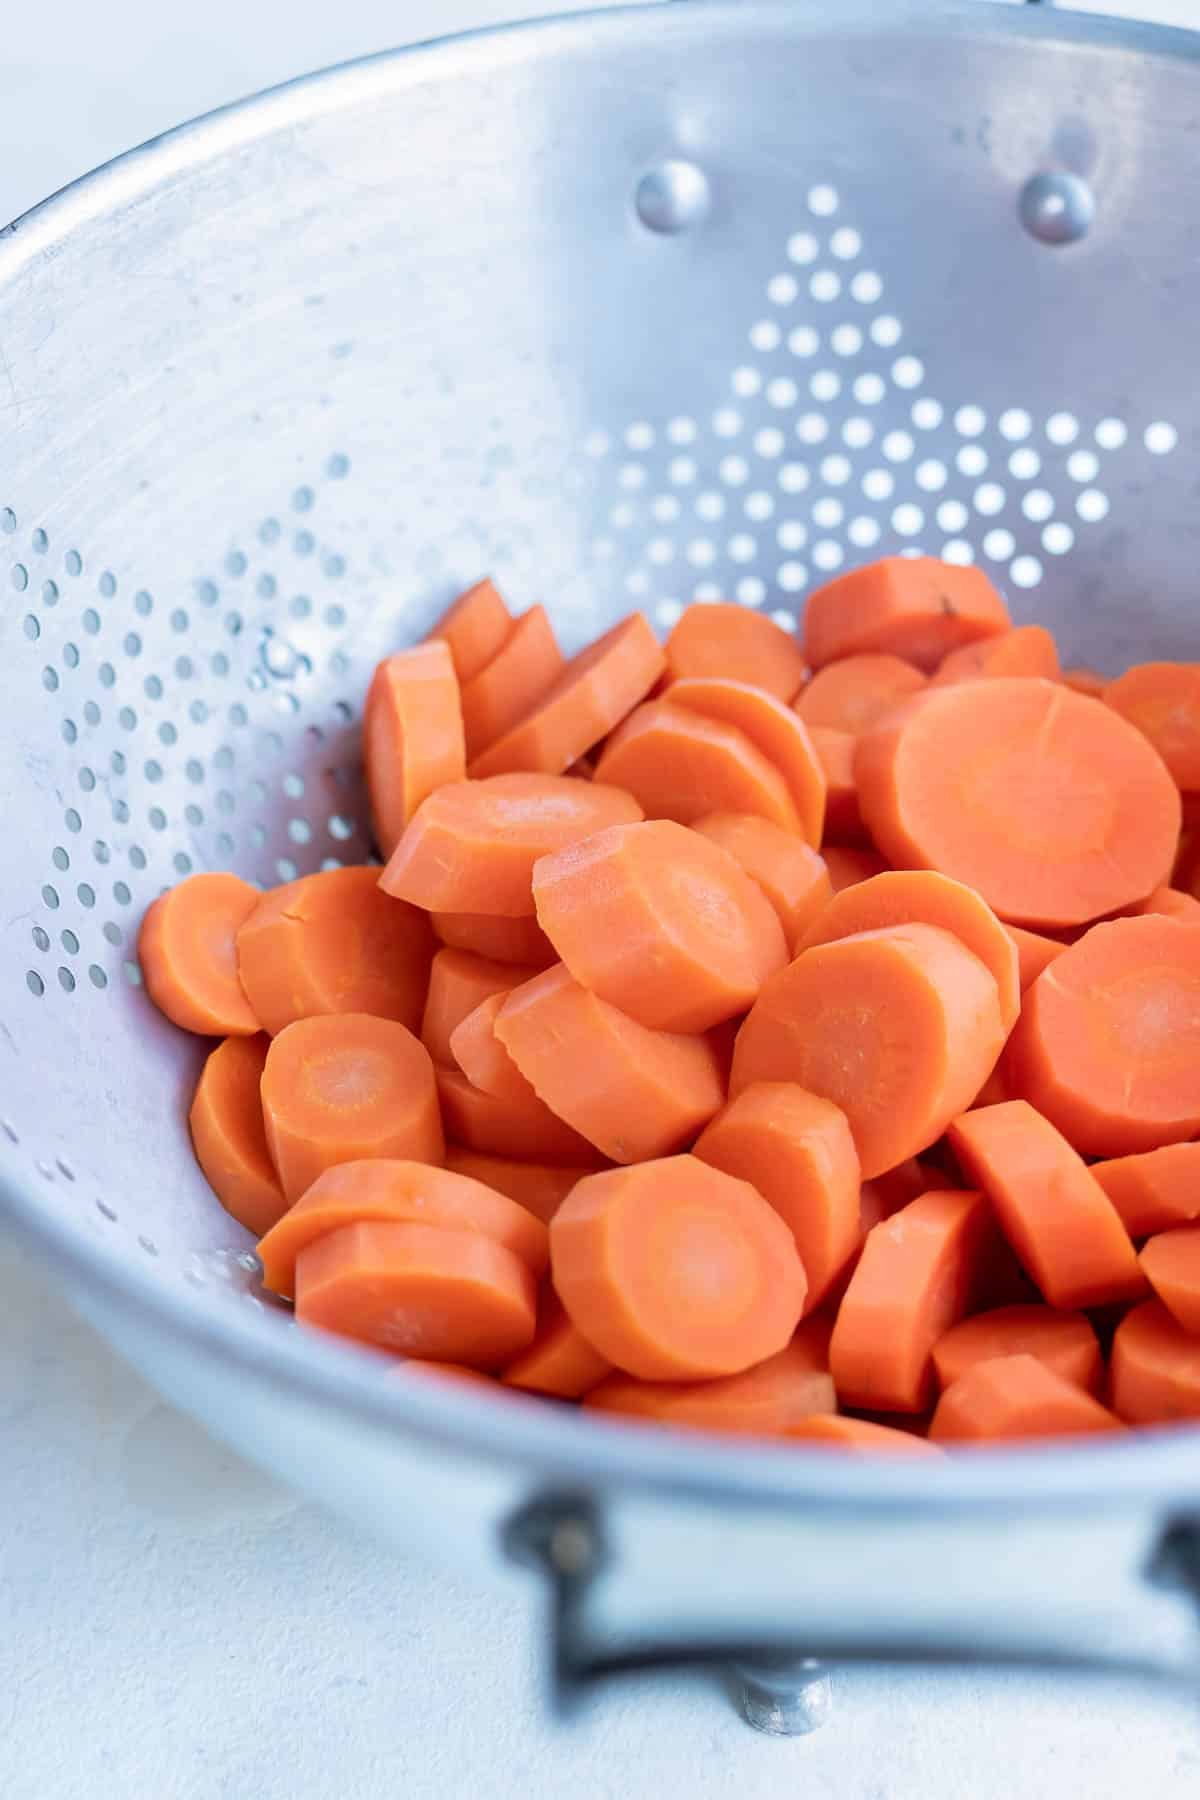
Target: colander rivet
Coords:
[(1057, 207), (673, 196)]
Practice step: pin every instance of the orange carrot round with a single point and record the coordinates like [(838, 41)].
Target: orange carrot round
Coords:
[(914, 607), (681, 765), (860, 1437), (1154, 1368), (1034, 953), (1063, 1341), (1153, 1191), (559, 1362), (848, 696), (412, 736), (778, 733), (519, 941), (1026, 650), (765, 1401), (1017, 1396), (228, 1135), (718, 638), (526, 1129), (790, 872), (1162, 699), (475, 629), (511, 684), (845, 867), (843, 815), (1171, 1261), (539, 1187), (458, 982), (484, 1060), (188, 953)]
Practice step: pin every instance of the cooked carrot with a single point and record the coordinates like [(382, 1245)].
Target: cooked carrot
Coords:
[(475, 628), (511, 684), (1170, 903), (458, 982), (1171, 1260), (188, 952), (484, 1060), (790, 872), (228, 1135), (519, 941), (631, 1092), (776, 732), (1048, 803), (843, 816), (1026, 650), (472, 846), (899, 1028), (860, 1437), (797, 1151), (920, 897), (540, 1188), (1034, 953), (387, 1192), (768, 1400), (1108, 1045), (717, 638), (453, 1296), (1154, 1368), (559, 1362), (675, 1271), (1055, 1214), (343, 1087), (680, 765), (914, 607), (1016, 1396), (334, 943), (1064, 1341), (1155, 1190), (502, 1128), (412, 736), (1086, 681), (917, 1275), (849, 695), (660, 921), (1162, 699), (591, 696), (846, 867)]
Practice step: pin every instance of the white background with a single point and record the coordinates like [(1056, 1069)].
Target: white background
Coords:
[(173, 1626)]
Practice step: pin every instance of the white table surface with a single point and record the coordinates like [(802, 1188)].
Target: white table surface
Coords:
[(173, 1626)]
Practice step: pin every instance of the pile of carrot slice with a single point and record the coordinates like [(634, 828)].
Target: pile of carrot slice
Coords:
[(789, 1036)]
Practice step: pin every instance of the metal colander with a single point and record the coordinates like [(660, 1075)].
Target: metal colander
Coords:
[(626, 310)]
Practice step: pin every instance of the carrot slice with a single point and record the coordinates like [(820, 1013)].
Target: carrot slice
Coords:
[(334, 943), (659, 921), (591, 696), (1034, 953), (797, 1151), (1170, 903), (504, 1128), (919, 897), (843, 815), (412, 736), (675, 1271), (458, 982), (520, 941), (455, 1296), (1155, 1190), (472, 846), (1162, 699), (717, 638), (540, 1188), (188, 952), (918, 1273), (847, 867), (1048, 803), (1108, 1045), (860, 1437), (778, 733), (388, 1192), (1154, 1368), (681, 765), (560, 1362), (228, 1135), (790, 872), (765, 1401), (484, 1060), (899, 1028), (849, 695), (631, 1092), (1171, 1261), (1086, 681), (914, 607), (1063, 1341), (512, 683), (1017, 1396), (1026, 650), (475, 629), (343, 1087), (1057, 1217)]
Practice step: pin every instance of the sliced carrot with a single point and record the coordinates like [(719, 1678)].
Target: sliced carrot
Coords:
[(790, 872), (1034, 953), (717, 638), (768, 1400), (847, 867), (1055, 1214), (1086, 681), (228, 1135), (914, 607), (797, 1151), (660, 921), (1171, 1261), (860, 1437), (917, 1275), (559, 1362), (1170, 903), (843, 816), (1048, 803), (472, 846), (540, 1188), (449, 1295), (675, 1271), (458, 982), (511, 684), (388, 1192), (1108, 1045), (899, 1028), (1162, 699), (343, 1087), (188, 951), (681, 765), (475, 629), (778, 733), (334, 943), (849, 695), (1153, 1191), (920, 897), (631, 1092), (1026, 650), (591, 696), (412, 736), (1154, 1368), (1063, 1341), (502, 1128), (1016, 1396), (484, 1060), (520, 941)]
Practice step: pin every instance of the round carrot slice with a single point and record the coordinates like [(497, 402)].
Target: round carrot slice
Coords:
[(765, 1401), (412, 736), (1034, 953), (1063, 1341), (681, 765), (675, 1271), (539, 1187), (846, 867), (506, 1127), (659, 921), (475, 629), (453, 1296), (1154, 1368), (484, 1060), (790, 872), (1108, 1045), (1026, 650), (849, 695), (1054, 808), (472, 846), (1017, 1396), (718, 638), (1155, 1190), (899, 1028), (777, 732), (1172, 1262), (843, 815), (458, 982), (188, 953), (861, 1437), (229, 1138), (914, 607), (520, 941), (343, 1087), (1162, 700), (508, 686), (560, 1362)]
